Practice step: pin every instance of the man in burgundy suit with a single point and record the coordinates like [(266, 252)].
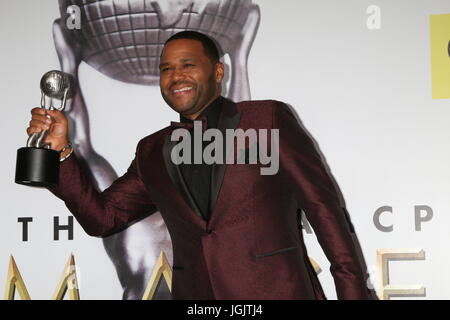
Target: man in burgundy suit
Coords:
[(234, 231)]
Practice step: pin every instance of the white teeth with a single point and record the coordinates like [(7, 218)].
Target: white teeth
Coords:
[(182, 89)]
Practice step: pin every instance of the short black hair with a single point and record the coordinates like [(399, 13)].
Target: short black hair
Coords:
[(209, 44)]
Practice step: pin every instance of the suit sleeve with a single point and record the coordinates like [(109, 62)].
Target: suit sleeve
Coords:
[(108, 212), (303, 170)]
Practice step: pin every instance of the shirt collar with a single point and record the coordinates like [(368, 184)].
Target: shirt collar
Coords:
[(212, 113)]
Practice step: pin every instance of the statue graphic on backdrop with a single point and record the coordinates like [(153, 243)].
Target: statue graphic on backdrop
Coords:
[(123, 40)]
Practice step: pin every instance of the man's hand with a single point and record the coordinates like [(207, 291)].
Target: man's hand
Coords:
[(55, 122)]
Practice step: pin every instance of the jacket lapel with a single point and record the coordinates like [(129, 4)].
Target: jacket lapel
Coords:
[(229, 119), (176, 176)]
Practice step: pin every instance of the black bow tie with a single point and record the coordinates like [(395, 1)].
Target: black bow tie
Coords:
[(188, 125)]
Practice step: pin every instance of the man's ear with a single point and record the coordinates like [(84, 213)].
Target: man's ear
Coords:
[(219, 71)]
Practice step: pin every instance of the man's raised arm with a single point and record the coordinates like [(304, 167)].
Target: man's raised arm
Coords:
[(100, 214)]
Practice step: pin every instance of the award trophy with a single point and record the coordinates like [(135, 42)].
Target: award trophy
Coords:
[(37, 164)]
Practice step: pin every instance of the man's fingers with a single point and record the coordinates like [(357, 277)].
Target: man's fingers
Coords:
[(57, 115), (31, 130), (39, 121), (44, 114), (52, 120), (39, 124), (42, 118), (39, 114), (38, 111)]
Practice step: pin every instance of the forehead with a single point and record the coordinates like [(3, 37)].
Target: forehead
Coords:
[(183, 48)]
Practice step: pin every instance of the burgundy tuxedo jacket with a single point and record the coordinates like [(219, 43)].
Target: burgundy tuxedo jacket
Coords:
[(251, 248)]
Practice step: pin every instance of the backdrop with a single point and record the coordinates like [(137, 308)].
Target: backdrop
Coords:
[(370, 80)]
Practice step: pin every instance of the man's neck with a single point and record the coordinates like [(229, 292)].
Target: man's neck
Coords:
[(198, 113)]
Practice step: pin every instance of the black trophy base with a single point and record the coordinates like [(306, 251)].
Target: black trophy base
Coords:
[(37, 167)]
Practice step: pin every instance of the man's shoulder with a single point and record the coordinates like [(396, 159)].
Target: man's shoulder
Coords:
[(259, 105), (259, 113), (154, 138), (262, 109)]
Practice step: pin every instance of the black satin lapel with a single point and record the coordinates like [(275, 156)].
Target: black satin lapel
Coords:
[(228, 120), (177, 178)]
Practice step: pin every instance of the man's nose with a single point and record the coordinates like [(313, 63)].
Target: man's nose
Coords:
[(178, 74)]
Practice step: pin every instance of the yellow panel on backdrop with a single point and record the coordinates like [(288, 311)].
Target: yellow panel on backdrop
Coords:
[(440, 55)]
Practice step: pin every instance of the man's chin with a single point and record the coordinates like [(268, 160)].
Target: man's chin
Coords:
[(182, 109)]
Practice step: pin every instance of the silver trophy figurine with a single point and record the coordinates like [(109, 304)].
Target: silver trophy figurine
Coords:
[(37, 164)]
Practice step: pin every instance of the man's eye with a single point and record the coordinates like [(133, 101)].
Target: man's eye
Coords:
[(165, 69), (188, 65)]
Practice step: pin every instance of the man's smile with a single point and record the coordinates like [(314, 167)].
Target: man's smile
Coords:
[(181, 91)]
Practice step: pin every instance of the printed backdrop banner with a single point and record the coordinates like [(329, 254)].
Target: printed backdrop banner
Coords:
[(370, 80)]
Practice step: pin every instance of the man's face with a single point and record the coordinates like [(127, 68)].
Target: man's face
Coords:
[(189, 80)]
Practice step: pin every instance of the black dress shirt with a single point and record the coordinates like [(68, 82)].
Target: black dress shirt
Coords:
[(198, 176)]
